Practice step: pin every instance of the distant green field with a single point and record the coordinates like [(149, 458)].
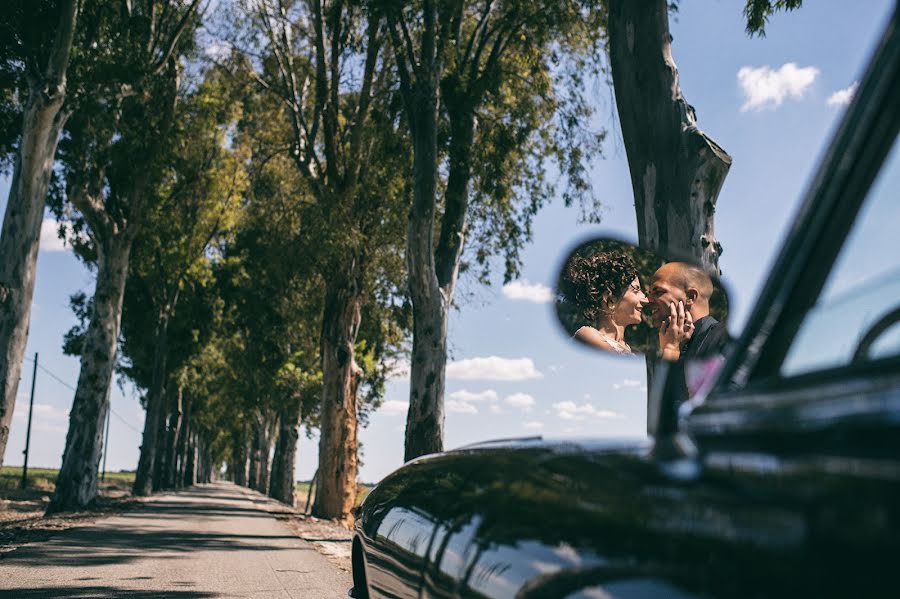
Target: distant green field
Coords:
[(44, 478), (303, 488)]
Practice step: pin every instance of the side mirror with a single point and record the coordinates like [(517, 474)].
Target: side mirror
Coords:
[(617, 297)]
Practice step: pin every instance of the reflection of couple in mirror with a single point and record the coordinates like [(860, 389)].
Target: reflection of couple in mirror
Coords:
[(604, 287)]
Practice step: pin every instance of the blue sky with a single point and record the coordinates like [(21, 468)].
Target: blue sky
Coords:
[(772, 103)]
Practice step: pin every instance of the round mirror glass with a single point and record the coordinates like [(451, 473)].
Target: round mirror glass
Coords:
[(620, 298)]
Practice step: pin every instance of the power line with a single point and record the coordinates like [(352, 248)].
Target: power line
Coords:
[(65, 384)]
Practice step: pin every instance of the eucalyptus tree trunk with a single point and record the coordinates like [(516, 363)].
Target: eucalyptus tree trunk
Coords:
[(259, 460), (183, 444), (176, 413), (425, 418), (161, 434), (42, 122), (281, 483), (240, 462), (143, 480), (432, 295), (338, 418), (254, 461), (204, 461), (264, 461), (76, 484), (677, 171), (189, 475)]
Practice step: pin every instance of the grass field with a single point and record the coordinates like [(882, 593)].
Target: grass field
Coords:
[(44, 478), (303, 488)]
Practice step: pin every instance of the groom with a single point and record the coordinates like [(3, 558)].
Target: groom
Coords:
[(679, 303)]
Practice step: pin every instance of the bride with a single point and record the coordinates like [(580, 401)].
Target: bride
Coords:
[(604, 288)]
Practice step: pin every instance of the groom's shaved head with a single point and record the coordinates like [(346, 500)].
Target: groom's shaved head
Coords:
[(680, 281), (688, 276)]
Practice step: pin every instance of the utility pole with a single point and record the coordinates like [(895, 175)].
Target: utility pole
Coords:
[(28, 434), (106, 441)]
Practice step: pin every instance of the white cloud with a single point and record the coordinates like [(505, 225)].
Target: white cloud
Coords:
[(628, 384), (523, 401), (569, 410), (460, 407), (495, 409), (493, 368), (472, 397), (394, 407), (533, 425), (50, 241), (44, 419), (530, 292), (218, 50), (764, 87), (41, 411), (842, 97)]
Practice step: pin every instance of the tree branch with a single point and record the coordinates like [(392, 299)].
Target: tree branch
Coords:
[(55, 74), (402, 71), (410, 48), (479, 29), (365, 97), (160, 64)]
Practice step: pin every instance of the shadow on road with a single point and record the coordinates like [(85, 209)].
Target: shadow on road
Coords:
[(93, 592), (147, 532)]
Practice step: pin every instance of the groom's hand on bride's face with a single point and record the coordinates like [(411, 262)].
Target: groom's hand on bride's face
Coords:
[(675, 330)]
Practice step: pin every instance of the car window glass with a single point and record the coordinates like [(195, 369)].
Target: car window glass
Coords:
[(857, 315)]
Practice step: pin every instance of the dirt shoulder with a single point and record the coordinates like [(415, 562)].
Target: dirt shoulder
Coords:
[(329, 537)]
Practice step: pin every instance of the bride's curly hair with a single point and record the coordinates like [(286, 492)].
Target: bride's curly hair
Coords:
[(590, 283)]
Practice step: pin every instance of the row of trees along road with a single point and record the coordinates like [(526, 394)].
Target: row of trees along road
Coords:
[(277, 202)]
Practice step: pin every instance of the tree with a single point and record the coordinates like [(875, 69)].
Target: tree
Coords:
[(126, 122), (677, 171), (35, 62), (323, 66), (461, 63), (200, 191)]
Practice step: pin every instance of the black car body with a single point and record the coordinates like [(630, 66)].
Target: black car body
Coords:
[(778, 481)]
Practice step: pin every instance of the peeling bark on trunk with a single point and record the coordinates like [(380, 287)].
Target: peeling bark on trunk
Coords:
[(431, 310), (425, 419), (143, 480), (677, 171), (281, 486), (338, 417), (76, 485), (42, 122)]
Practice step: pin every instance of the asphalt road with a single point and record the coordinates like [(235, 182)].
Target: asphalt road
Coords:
[(216, 540)]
